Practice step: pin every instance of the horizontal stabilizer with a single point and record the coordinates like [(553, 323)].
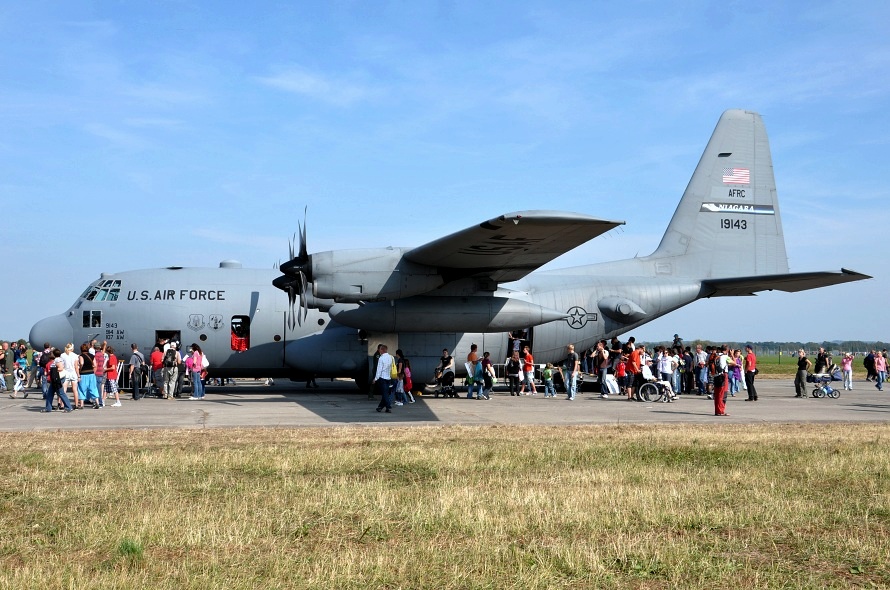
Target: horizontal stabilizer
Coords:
[(790, 283), (509, 247)]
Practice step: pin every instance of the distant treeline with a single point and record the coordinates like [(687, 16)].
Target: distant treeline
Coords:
[(771, 347)]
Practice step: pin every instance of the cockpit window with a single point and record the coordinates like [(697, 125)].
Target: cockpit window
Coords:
[(102, 290)]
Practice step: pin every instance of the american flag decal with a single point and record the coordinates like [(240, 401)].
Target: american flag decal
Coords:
[(736, 176)]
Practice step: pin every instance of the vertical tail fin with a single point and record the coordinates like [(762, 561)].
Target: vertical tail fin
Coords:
[(727, 223)]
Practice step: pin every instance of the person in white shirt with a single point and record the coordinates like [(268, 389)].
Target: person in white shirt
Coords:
[(383, 379)]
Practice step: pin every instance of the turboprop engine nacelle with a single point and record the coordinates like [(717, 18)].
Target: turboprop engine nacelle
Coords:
[(621, 309), (370, 274), (445, 314)]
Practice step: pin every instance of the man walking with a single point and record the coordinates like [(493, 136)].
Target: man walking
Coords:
[(572, 365), (137, 360), (701, 369), (383, 377)]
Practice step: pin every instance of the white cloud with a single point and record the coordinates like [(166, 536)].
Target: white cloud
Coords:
[(115, 136), (338, 91), (161, 94)]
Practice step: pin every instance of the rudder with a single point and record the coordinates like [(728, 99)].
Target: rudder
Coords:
[(727, 223)]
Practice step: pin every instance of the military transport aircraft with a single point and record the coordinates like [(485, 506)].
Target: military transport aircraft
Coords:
[(473, 286)]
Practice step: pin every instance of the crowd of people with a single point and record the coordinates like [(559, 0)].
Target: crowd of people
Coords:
[(72, 380), (621, 368)]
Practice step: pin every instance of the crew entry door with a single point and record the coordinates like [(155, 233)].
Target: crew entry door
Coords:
[(240, 333)]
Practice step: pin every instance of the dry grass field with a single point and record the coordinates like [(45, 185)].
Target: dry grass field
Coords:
[(773, 506)]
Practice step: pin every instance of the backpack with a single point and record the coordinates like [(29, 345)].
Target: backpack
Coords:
[(141, 366), (408, 383), (170, 358)]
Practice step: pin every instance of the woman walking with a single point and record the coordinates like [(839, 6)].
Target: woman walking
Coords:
[(197, 367)]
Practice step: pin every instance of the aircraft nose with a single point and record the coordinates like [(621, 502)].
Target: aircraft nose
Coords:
[(55, 329)]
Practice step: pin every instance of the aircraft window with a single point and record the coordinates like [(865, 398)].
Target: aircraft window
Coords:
[(92, 295), (106, 283), (96, 319), (113, 294), (116, 283), (103, 295), (86, 292), (86, 319)]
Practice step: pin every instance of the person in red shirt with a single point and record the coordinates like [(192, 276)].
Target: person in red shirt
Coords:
[(750, 372), (99, 361), (528, 370), (723, 364), (157, 369), (111, 375), (621, 373), (633, 370)]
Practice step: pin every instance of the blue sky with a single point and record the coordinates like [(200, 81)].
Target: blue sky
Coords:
[(148, 134)]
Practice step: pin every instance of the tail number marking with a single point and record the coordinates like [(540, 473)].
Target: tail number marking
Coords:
[(733, 224)]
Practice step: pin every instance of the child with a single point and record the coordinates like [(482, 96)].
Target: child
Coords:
[(408, 383), (547, 375), (621, 374), (20, 376)]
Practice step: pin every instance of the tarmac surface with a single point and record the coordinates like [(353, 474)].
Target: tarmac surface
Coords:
[(251, 404)]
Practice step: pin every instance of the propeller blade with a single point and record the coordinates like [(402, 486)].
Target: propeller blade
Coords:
[(304, 301), (304, 254), (292, 299), (295, 280)]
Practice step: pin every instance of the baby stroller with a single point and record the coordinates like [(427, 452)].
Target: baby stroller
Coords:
[(445, 384), (823, 386)]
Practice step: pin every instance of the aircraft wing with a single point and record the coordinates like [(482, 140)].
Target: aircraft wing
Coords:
[(511, 246), (791, 283)]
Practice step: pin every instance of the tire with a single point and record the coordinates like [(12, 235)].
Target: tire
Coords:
[(818, 392), (650, 392), (835, 393)]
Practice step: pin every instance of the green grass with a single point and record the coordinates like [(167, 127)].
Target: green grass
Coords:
[(776, 367), (785, 367), (777, 506)]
